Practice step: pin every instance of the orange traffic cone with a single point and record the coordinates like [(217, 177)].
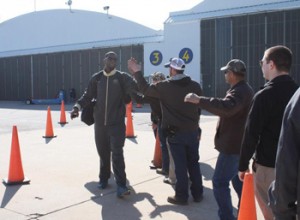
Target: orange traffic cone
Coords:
[(157, 158), (15, 174), (130, 107), (62, 114), (247, 209), (129, 124), (49, 128)]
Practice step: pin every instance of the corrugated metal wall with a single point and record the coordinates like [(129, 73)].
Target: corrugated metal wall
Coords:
[(246, 37), (42, 76)]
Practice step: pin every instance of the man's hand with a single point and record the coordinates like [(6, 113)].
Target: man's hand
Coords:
[(74, 113), (192, 97), (242, 175), (133, 66)]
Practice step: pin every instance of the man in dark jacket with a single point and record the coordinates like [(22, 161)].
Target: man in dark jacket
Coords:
[(284, 192), (232, 110), (108, 87), (264, 122), (180, 121)]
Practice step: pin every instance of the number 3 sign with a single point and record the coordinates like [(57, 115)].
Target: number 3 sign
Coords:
[(156, 58)]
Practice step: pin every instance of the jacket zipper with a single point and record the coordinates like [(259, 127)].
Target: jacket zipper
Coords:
[(106, 100)]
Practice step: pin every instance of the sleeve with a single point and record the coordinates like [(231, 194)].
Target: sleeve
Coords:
[(253, 129), (144, 87), (90, 93), (128, 84), (228, 106)]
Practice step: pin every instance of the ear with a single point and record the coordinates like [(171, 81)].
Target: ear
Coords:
[(272, 64)]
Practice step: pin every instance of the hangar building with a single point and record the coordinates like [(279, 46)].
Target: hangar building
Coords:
[(45, 51)]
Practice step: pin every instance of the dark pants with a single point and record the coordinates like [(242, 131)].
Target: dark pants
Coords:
[(109, 142), (164, 148), (226, 171), (184, 147)]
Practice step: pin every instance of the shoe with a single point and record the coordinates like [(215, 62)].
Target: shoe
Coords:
[(168, 181), (122, 191), (176, 201), (198, 199), (102, 184), (161, 171)]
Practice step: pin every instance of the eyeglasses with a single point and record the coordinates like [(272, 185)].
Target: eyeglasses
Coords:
[(261, 62)]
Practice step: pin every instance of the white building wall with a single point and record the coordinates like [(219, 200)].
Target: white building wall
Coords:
[(179, 36)]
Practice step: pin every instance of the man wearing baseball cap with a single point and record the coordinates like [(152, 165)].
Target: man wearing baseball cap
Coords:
[(176, 63), (180, 122), (232, 111)]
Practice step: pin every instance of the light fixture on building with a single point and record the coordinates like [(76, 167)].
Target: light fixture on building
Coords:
[(106, 8), (69, 3)]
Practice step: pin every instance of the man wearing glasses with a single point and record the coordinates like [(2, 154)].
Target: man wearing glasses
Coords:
[(232, 110), (264, 122)]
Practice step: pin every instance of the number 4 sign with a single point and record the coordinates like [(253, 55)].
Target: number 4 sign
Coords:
[(186, 54)]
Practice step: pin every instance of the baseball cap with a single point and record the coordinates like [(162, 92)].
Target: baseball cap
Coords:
[(176, 63), (111, 55), (236, 66)]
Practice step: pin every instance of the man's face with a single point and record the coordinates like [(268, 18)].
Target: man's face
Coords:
[(227, 75), (110, 61), (264, 64)]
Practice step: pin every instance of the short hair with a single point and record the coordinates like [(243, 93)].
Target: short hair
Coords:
[(158, 76), (281, 56)]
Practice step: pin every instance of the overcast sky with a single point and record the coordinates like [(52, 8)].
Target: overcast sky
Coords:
[(151, 13)]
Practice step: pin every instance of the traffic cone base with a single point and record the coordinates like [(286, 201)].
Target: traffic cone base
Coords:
[(23, 182), (54, 136), (62, 123)]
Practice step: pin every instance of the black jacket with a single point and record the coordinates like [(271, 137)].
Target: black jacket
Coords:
[(177, 115), (109, 93), (233, 110), (284, 193), (264, 122)]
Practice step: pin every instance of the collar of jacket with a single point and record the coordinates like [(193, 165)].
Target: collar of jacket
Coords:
[(280, 78), (113, 72), (178, 76)]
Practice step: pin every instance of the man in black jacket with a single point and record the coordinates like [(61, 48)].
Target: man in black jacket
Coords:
[(180, 121), (284, 192), (264, 122), (232, 110), (108, 88)]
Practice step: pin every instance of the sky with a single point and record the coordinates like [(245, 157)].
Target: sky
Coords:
[(151, 13)]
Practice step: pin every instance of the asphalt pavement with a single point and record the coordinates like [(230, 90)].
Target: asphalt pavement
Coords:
[(63, 171)]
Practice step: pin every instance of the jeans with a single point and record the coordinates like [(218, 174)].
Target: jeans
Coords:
[(164, 148), (109, 142), (226, 170), (184, 147)]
